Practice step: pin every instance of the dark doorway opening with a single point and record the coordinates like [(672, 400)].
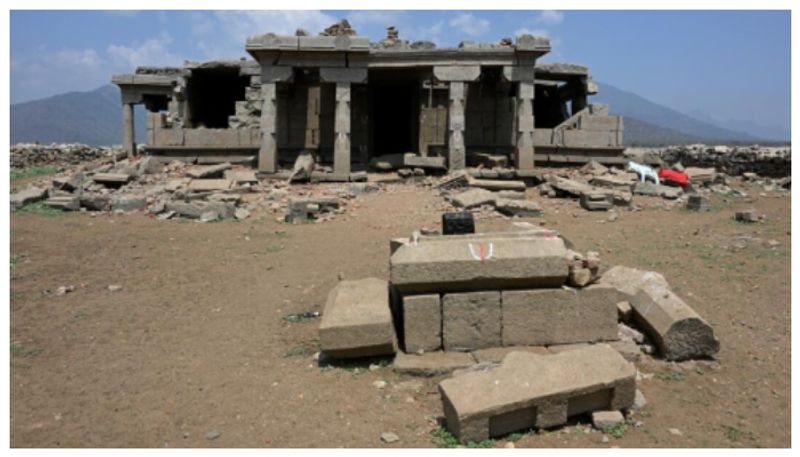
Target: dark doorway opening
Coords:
[(394, 115), (212, 94)]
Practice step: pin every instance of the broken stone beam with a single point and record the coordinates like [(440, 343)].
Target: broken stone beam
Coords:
[(210, 171), (471, 320), (522, 208), (677, 329), (473, 197), (431, 364), (357, 320), (431, 163), (66, 203), (203, 185), (491, 184), (27, 196), (464, 263), (530, 390), (422, 322), (113, 179), (559, 316)]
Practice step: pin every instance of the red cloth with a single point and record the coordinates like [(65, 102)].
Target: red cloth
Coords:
[(677, 177)]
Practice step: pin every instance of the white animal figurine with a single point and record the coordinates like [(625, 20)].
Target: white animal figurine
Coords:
[(643, 171)]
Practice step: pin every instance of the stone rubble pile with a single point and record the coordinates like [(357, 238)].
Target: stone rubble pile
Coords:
[(28, 155), (167, 189), (531, 331)]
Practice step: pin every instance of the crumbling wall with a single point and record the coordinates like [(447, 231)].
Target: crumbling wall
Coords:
[(764, 161)]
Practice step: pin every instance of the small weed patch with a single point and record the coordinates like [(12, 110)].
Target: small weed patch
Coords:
[(32, 172), (670, 376), (41, 209), (21, 350)]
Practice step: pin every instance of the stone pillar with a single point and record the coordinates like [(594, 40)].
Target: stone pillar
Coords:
[(128, 135), (457, 151), (525, 126), (268, 152), (341, 145)]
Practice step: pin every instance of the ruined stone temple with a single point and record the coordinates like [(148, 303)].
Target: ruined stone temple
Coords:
[(349, 100)]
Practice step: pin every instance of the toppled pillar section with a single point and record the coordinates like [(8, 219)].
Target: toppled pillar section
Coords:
[(467, 263), (532, 390), (559, 316), (677, 329), (357, 321)]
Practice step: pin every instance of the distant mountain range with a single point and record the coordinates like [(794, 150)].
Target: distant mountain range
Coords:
[(95, 118)]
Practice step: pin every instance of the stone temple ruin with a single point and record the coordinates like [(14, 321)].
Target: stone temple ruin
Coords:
[(349, 101)]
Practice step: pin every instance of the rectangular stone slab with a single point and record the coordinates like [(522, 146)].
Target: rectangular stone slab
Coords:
[(530, 390), (357, 320), (464, 263), (560, 316), (471, 320), (200, 185), (422, 322)]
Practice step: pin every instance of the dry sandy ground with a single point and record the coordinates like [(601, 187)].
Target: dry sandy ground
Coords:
[(196, 341)]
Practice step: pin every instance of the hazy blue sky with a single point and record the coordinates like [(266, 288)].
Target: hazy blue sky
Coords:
[(733, 64)]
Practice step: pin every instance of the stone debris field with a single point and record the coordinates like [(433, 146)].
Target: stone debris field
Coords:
[(163, 302)]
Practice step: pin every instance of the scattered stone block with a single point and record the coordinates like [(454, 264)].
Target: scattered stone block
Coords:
[(241, 176), (357, 320), (521, 208), (511, 195), (68, 183), (195, 209), (210, 171), (698, 203), (490, 184), (127, 202), (529, 390), (65, 203), (604, 420), (656, 190), (428, 163), (471, 320), (579, 277), (489, 160), (559, 348), (111, 179), (594, 167), (473, 198), (596, 201), (466, 262), (557, 316), (27, 196), (624, 311), (431, 363), (422, 322), (677, 329), (208, 185), (626, 333), (627, 349), (95, 202), (748, 216), (497, 354)]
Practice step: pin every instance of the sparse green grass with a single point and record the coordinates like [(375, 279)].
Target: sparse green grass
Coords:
[(24, 366), (41, 209), (619, 430), (670, 376), (444, 439), (304, 349), (32, 172), (16, 259), (300, 317), (272, 249), (21, 350), (516, 436), (280, 234)]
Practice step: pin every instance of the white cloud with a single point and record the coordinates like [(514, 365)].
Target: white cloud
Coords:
[(379, 17), (535, 32), (550, 17), (153, 51), (470, 25)]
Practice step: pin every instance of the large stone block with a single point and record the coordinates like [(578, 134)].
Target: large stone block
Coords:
[(530, 390), (465, 263), (27, 196), (422, 322), (471, 320), (357, 320), (677, 329), (559, 316)]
